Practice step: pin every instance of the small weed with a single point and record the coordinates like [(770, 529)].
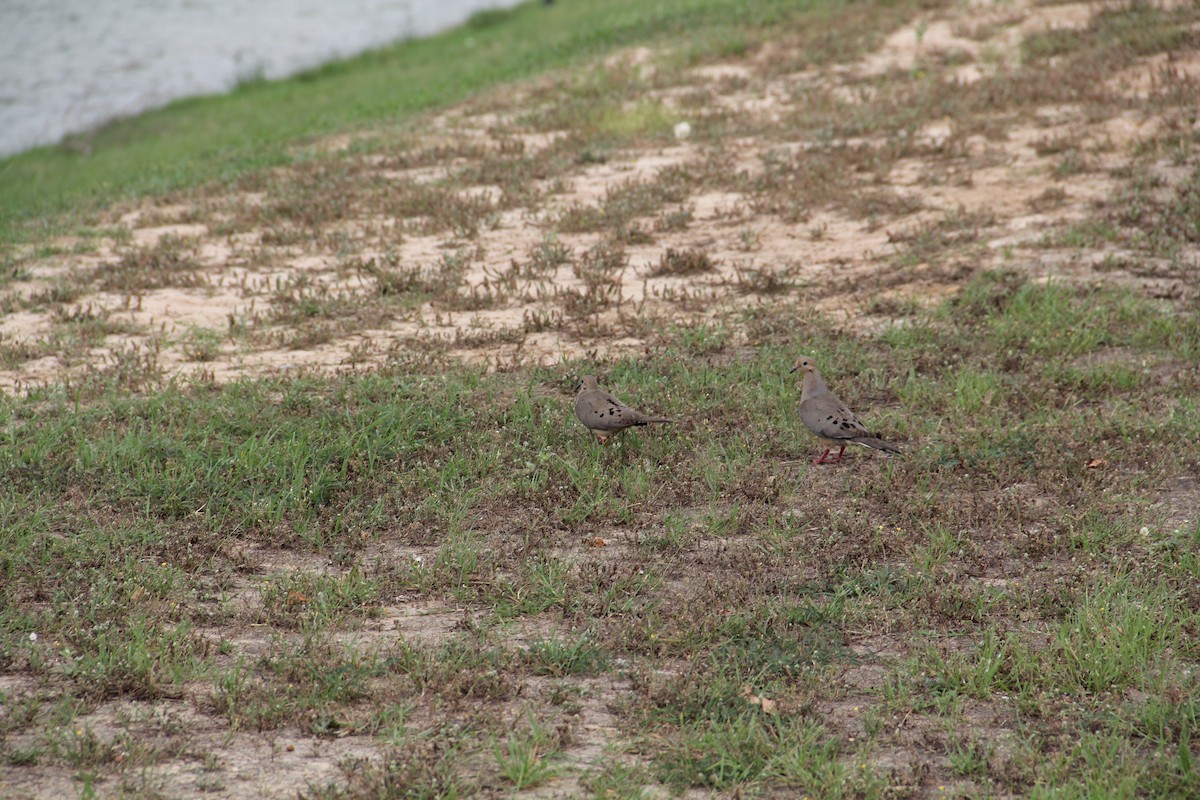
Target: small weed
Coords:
[(558, 658), (761, 280), (171, 263), (683, 262), (202, 344), (526, 757)]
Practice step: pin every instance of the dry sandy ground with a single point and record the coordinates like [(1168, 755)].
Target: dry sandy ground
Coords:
[(1010, 189)]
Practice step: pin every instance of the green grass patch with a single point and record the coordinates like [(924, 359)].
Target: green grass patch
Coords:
[(706, 569)]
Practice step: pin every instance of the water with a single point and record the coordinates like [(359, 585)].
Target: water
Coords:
[(67, 66)]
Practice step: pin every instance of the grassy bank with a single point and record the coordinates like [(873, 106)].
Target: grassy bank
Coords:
[(266, 123), (1045, 607), (293, 500)]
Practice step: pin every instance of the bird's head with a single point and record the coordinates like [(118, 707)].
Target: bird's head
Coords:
[(805, 364)]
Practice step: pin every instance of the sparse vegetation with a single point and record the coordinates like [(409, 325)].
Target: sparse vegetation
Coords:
[(288, 464), (683, 262)]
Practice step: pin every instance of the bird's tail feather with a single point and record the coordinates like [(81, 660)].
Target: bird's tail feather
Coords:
[(648, 420), (879, 444)]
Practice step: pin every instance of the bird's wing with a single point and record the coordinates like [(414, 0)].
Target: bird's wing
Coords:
[(828, 417), (600, 411)]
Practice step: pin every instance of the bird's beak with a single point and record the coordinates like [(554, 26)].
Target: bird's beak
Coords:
[(793, 369)]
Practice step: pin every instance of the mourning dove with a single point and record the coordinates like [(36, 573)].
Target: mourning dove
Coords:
[(827, 417), (604, 414)]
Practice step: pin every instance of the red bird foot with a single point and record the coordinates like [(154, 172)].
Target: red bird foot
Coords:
[(825, 455)]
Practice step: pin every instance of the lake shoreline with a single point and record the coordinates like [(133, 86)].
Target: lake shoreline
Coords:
[(73, 67)]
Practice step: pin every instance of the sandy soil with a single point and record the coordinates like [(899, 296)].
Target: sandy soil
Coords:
[(837, 263)]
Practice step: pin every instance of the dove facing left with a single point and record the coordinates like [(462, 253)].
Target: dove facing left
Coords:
[(603, 414), (834, 425)]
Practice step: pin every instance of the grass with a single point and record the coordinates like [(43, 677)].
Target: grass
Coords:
[(256, 126), (524, 758), (422, 568), (350, 469)]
